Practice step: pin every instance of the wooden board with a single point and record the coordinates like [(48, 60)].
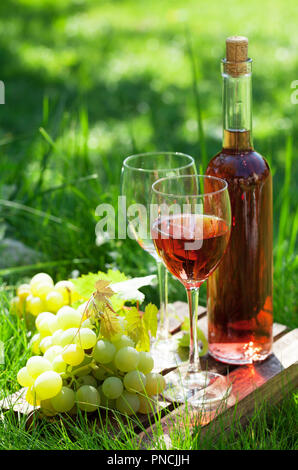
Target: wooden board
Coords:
[(269, 380)]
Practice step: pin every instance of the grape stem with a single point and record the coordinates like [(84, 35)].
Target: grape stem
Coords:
[(81, 369)]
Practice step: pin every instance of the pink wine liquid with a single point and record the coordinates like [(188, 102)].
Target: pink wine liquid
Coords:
[(190, 245)]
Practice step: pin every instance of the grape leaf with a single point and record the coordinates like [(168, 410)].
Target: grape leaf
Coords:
[(103, 291), (150, 318), (107, 297), (136, 329), (109, 323), (84, 285), (140, 324), (125, 289)]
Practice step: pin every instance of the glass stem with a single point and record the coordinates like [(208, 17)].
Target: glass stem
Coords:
[(163, 327), (193, 302)]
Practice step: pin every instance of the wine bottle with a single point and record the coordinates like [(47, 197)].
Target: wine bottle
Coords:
[(239, 292)]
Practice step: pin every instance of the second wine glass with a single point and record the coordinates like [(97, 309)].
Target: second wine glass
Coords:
[(139, 172)]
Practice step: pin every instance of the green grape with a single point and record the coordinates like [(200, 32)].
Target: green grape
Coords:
[(87, 380), (48, 325), (87, 324), (59, 365), (147, 405), (128, 403), (104, 351), (76, 370), (34, 305), (47, 385), (45, 343), (87, 398), (41, 317), (31, 397), (146, 362), (100, 373), (155, 383), (123, 341), (86, 338), (69, 336), (47, 407), (23, 291), (65, 284), (112, 387), (81, 308), (73, 354), (56, 337), (54, 301), (24, 378), (105, 401), (41, 278), (18, 303), (42, 289), (74, 410), (36, 365), (64, 401), (111, 368), (135, 381), (34, 343), (68, 317), (52, 352), (127, 359), (65, 288), (202, 342)]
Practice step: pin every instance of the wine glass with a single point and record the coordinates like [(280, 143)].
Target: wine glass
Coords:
[(190, 234), (139, 172)]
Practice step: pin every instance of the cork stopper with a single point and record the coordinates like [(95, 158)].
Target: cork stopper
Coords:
[(236, 56)]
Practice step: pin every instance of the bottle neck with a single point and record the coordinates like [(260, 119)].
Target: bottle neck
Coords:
[(237, 113)]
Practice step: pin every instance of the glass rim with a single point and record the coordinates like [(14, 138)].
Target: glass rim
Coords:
[(150, 154), (221, 180)]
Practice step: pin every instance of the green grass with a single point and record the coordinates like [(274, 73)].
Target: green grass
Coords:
[(88, 83)]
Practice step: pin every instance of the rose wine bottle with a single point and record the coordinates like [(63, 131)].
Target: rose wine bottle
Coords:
[(239, 292)]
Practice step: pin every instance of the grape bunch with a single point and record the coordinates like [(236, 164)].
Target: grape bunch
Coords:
[(75, 367), (42, 295)]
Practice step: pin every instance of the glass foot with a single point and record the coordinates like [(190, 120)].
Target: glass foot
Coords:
[(164, 353), (199, 389)]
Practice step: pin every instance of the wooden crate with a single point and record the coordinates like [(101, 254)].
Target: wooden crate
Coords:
[(269, 381)]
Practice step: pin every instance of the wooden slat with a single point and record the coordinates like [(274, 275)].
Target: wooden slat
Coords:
[(267, 380), (17, 402)]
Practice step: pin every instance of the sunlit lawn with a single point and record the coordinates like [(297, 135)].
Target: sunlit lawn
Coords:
[(90, 82)]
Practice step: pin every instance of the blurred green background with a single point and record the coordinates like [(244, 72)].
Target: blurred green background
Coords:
[(88, 82)]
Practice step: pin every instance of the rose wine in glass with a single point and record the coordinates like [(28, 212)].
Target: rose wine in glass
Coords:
[(191, 234), (190, 265), (240, 315)]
